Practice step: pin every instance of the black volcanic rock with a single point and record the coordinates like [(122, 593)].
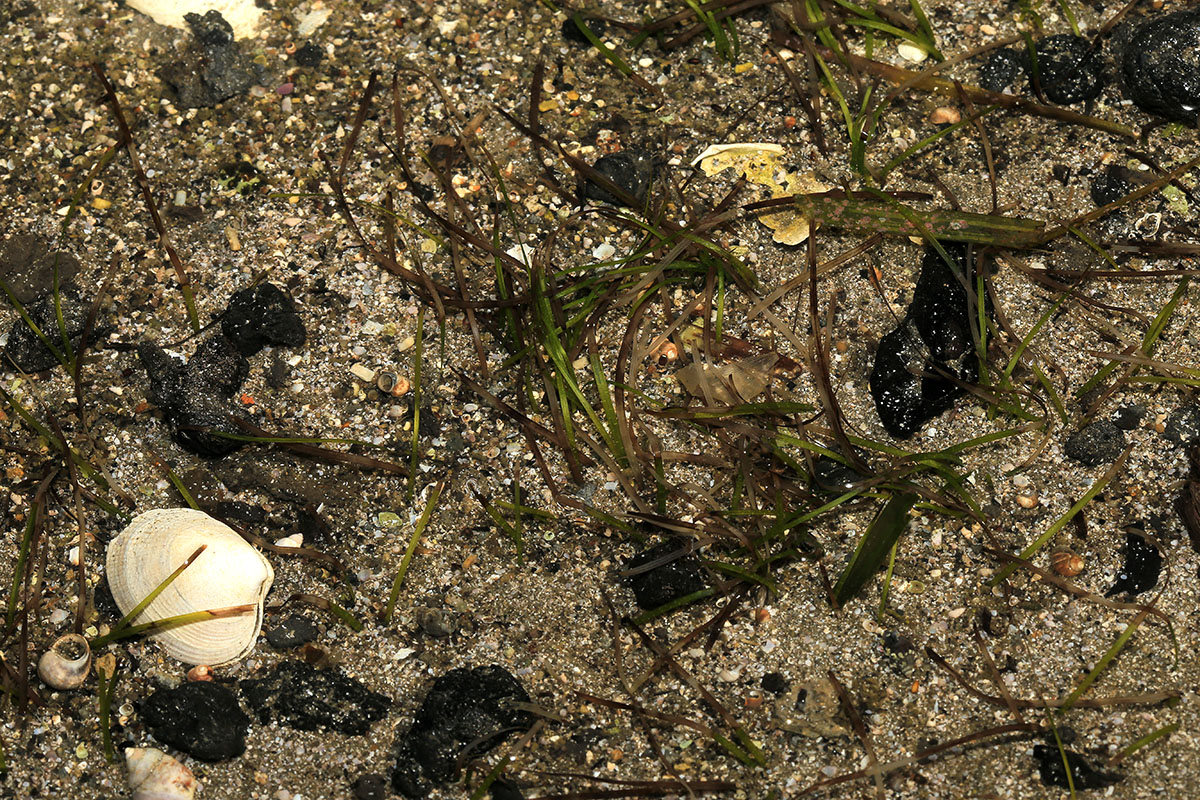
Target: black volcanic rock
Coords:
[(1160, 66), (467, 709), (200, 718)]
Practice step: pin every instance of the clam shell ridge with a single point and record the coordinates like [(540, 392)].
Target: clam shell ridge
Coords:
[(229, 572)]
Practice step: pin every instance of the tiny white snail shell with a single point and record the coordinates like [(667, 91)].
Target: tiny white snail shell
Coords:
[(154, 775), (229, 572), (65, 665)]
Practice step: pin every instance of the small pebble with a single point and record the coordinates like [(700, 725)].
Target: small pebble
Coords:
[(1183, 426), (1101, 442), (363, 373), (1027, 501)]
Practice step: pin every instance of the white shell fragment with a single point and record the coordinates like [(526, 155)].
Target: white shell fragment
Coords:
[(229, 572), (244, 16), (154, 775)]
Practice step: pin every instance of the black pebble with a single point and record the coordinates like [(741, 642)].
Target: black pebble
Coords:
[(1143, 563), (309, 55), (1095, 444), (1068, 69), (300, 696), (465, 708), (213, 68), (1183, 426), (630, 170), (917, 364), (1001, 70), (1161, 66), (1083, 775), (668, 582), (1129, 417), (262, 315), (1110, 185), (505, 790), (371, 786), (201, 718), (571, 32), (292, 632), (775, 683)]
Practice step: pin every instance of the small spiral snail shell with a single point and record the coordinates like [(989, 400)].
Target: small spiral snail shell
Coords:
[(1066, 563), (154, 775), (65, 665)]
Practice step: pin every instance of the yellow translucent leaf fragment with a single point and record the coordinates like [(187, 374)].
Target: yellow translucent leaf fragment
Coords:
[(762, 164)]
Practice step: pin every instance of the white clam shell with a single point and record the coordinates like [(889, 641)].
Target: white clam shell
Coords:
[(230, 572), (154, 775)]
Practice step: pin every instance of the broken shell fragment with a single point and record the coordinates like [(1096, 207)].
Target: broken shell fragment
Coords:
[(65, 665), (244, 16), (154, 775), (227, 573)]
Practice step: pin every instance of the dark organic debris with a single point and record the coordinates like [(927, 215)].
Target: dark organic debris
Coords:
[(1161, 66), (1049, 762), (201, 718), (1099, 442), (1143, 563), (291, 632), (920, 365), (194, 396), (262, 315), (667, 582), (1068, 69), (630, 170), (571, 32), (212, 68), (1111, 185), (466, 712), (1183, 426), (775, 682), (195, 400), (28, 351), (309, 55), (241, 177), (300, 696), (371, 786), (27, 264)]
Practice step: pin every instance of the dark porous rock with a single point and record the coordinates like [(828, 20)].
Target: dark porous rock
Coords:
[(573, 34), (1049, 760), (194, 402), (1068, 70), (201, 718), (371, 786), (27, 349), (1129, 417), (466, 708), (1143, 563), (666, 582), (1001, 70), (309, 55), (920, 366), (298, 695), (1101, 442), (27, 265), (632, 171), (293, 631), (1183, 426), (262, 315), (212, 68), (1161, 66), (1111, 185)]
